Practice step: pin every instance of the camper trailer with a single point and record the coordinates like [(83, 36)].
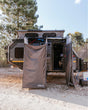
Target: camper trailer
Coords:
[(58, 49), (56, 45)]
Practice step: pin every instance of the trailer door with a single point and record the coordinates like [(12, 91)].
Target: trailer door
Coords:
[(69, 70)]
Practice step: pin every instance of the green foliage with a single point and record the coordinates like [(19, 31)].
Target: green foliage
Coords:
[(17, 15), (77, 41), (77, 38), (3, 59), (87, 40)]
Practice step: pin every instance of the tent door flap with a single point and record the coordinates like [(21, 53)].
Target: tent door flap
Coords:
[(34, 69), (69, 70)]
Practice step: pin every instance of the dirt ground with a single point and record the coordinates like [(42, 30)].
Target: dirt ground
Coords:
[(56, 96)]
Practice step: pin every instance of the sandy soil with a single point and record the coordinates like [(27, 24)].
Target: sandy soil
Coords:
[(54, 97)]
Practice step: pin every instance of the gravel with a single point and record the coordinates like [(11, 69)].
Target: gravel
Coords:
[(54, 97)]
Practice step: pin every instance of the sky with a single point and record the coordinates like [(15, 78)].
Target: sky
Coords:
[(68, 15)]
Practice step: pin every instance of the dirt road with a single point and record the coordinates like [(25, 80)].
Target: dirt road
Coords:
[(55, 97)]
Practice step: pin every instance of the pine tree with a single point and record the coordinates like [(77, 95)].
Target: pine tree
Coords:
[(77, 41), (18, 15), (77, 38)]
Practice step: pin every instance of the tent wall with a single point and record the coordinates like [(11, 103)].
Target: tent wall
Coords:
[(69, 69), (34, 69)]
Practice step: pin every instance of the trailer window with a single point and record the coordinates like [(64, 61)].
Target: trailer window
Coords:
[(36, 41), (49, 35), (31, 35), (19, 52)]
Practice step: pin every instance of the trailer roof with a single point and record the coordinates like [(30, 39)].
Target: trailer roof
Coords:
[(33, 30), (55, 38)]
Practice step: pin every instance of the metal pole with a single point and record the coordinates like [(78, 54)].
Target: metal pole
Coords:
[(86, 55), (86, 51)]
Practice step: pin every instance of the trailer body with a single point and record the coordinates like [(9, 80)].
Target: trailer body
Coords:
[(55, 43), (59, 50)]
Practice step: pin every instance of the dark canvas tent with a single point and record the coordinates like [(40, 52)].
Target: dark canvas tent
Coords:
[(34, 70)]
